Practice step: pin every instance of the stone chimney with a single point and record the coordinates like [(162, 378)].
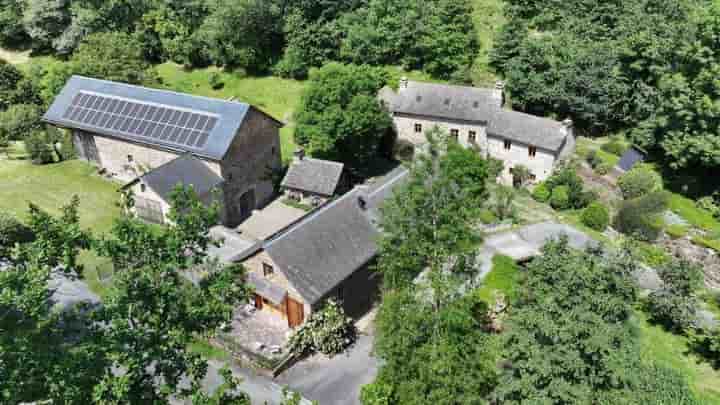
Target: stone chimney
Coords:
[(299, 154), (500, 92), (569, 126), (403, 83)]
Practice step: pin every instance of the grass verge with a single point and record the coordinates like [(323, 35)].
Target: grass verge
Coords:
[(503, 278)]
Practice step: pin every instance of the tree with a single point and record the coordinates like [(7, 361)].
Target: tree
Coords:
[(245, 34), (675, 304), (641, 217), (10, 78), (340, 117), (503, 205), (112, 56), (328, 331), (12, 32), (134, 348), (45, 21), (569, 338), (639, 181), (18, 121), (12, 232)]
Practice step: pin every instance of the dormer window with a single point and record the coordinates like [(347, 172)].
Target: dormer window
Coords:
[(268, 269), (508, 144)]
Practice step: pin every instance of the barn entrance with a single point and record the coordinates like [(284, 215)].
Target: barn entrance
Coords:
[(242, 207)]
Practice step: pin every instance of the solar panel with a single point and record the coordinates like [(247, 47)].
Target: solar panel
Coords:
[(142, 120)]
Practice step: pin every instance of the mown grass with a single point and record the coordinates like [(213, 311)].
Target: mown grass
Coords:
[(669, 350), (503, 278), (698, 217), (276, 96)]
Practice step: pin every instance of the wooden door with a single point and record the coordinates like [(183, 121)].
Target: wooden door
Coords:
[(295, 312), (258, 302)]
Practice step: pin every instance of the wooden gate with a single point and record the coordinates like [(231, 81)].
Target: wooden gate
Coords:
[(295, 312)]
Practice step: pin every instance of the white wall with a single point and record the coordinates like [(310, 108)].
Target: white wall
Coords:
[(541, 165)]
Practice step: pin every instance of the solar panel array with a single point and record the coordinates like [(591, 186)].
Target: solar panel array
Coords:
[(154, 122)]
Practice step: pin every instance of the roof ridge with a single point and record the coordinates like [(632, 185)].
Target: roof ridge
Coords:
[(321, 161), (457, 86), (160, 90), (390, 182)]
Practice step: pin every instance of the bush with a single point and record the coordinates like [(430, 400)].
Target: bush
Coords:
[(639, 182), (615, 147), (603, 169), (707, 344), (39, 149), (560, 198), (328, 331), (216, 81), (488, 217), (641, 217), (674, 306), (12, 231), (593, 159), (18, 121), (596, 216), (708, 204), (567, 176), (652, 255), (541, 193)]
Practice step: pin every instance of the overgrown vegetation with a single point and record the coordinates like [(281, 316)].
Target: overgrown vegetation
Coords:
[(328, 331)]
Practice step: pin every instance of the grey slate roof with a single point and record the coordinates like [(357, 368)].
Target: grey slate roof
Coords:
[(187, 170), (476, 105), (528, 129), (443, 101), (314, 175), (230, 114), (320, 251)]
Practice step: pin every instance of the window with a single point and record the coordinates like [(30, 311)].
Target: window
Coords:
[(472, 136), (142, 188), (476, 104), (130, 158), (508, 144), (454, 133), (532, 151), (418, 99), (229, 176), (272, 151), (418, 128), (268, 270), (447, 101), (533, 177)]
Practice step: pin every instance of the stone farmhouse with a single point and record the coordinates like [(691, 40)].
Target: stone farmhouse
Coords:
[(322, 255), (312, 181), (155, 139), (475, 118)]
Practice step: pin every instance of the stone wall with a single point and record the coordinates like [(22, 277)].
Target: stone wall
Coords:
[(405, 128), (541, 165), (254, 264), (249, 163)]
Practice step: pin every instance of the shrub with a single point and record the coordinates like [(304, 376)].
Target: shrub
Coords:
[(641, 217), (328, 331), (566, 176), (593, 159), (676, 231), (639, 182), (39, 149), (615, 147), (216, 81), (674, 306), (560, 198), (596, 217), (706, 343), (603, 169), (12, 231), (708, 204), (487, 217), (541, 193), (18, 121), (653, 256)]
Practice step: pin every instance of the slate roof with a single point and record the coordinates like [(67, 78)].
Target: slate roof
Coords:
[(474, 104), (320, 251), (443, 101), (630, 158), (186, 170), (314, 175), (230, 115)]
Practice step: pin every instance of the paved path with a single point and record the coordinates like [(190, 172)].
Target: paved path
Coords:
[(336, 380)]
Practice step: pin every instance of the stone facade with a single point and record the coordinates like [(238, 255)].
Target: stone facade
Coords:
[(255, 264), (541, 164), (246, 167)]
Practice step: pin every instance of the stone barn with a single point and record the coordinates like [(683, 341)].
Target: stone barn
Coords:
[(156, 139)]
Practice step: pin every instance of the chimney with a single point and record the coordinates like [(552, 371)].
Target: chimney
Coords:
[(500, 92), (403, 83), (299, 154), (568, 125)]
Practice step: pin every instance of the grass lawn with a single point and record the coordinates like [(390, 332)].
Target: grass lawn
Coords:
[(52, 186), (276, 96), (670, 350), (503, 278), (700, 218), (585, 145)]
